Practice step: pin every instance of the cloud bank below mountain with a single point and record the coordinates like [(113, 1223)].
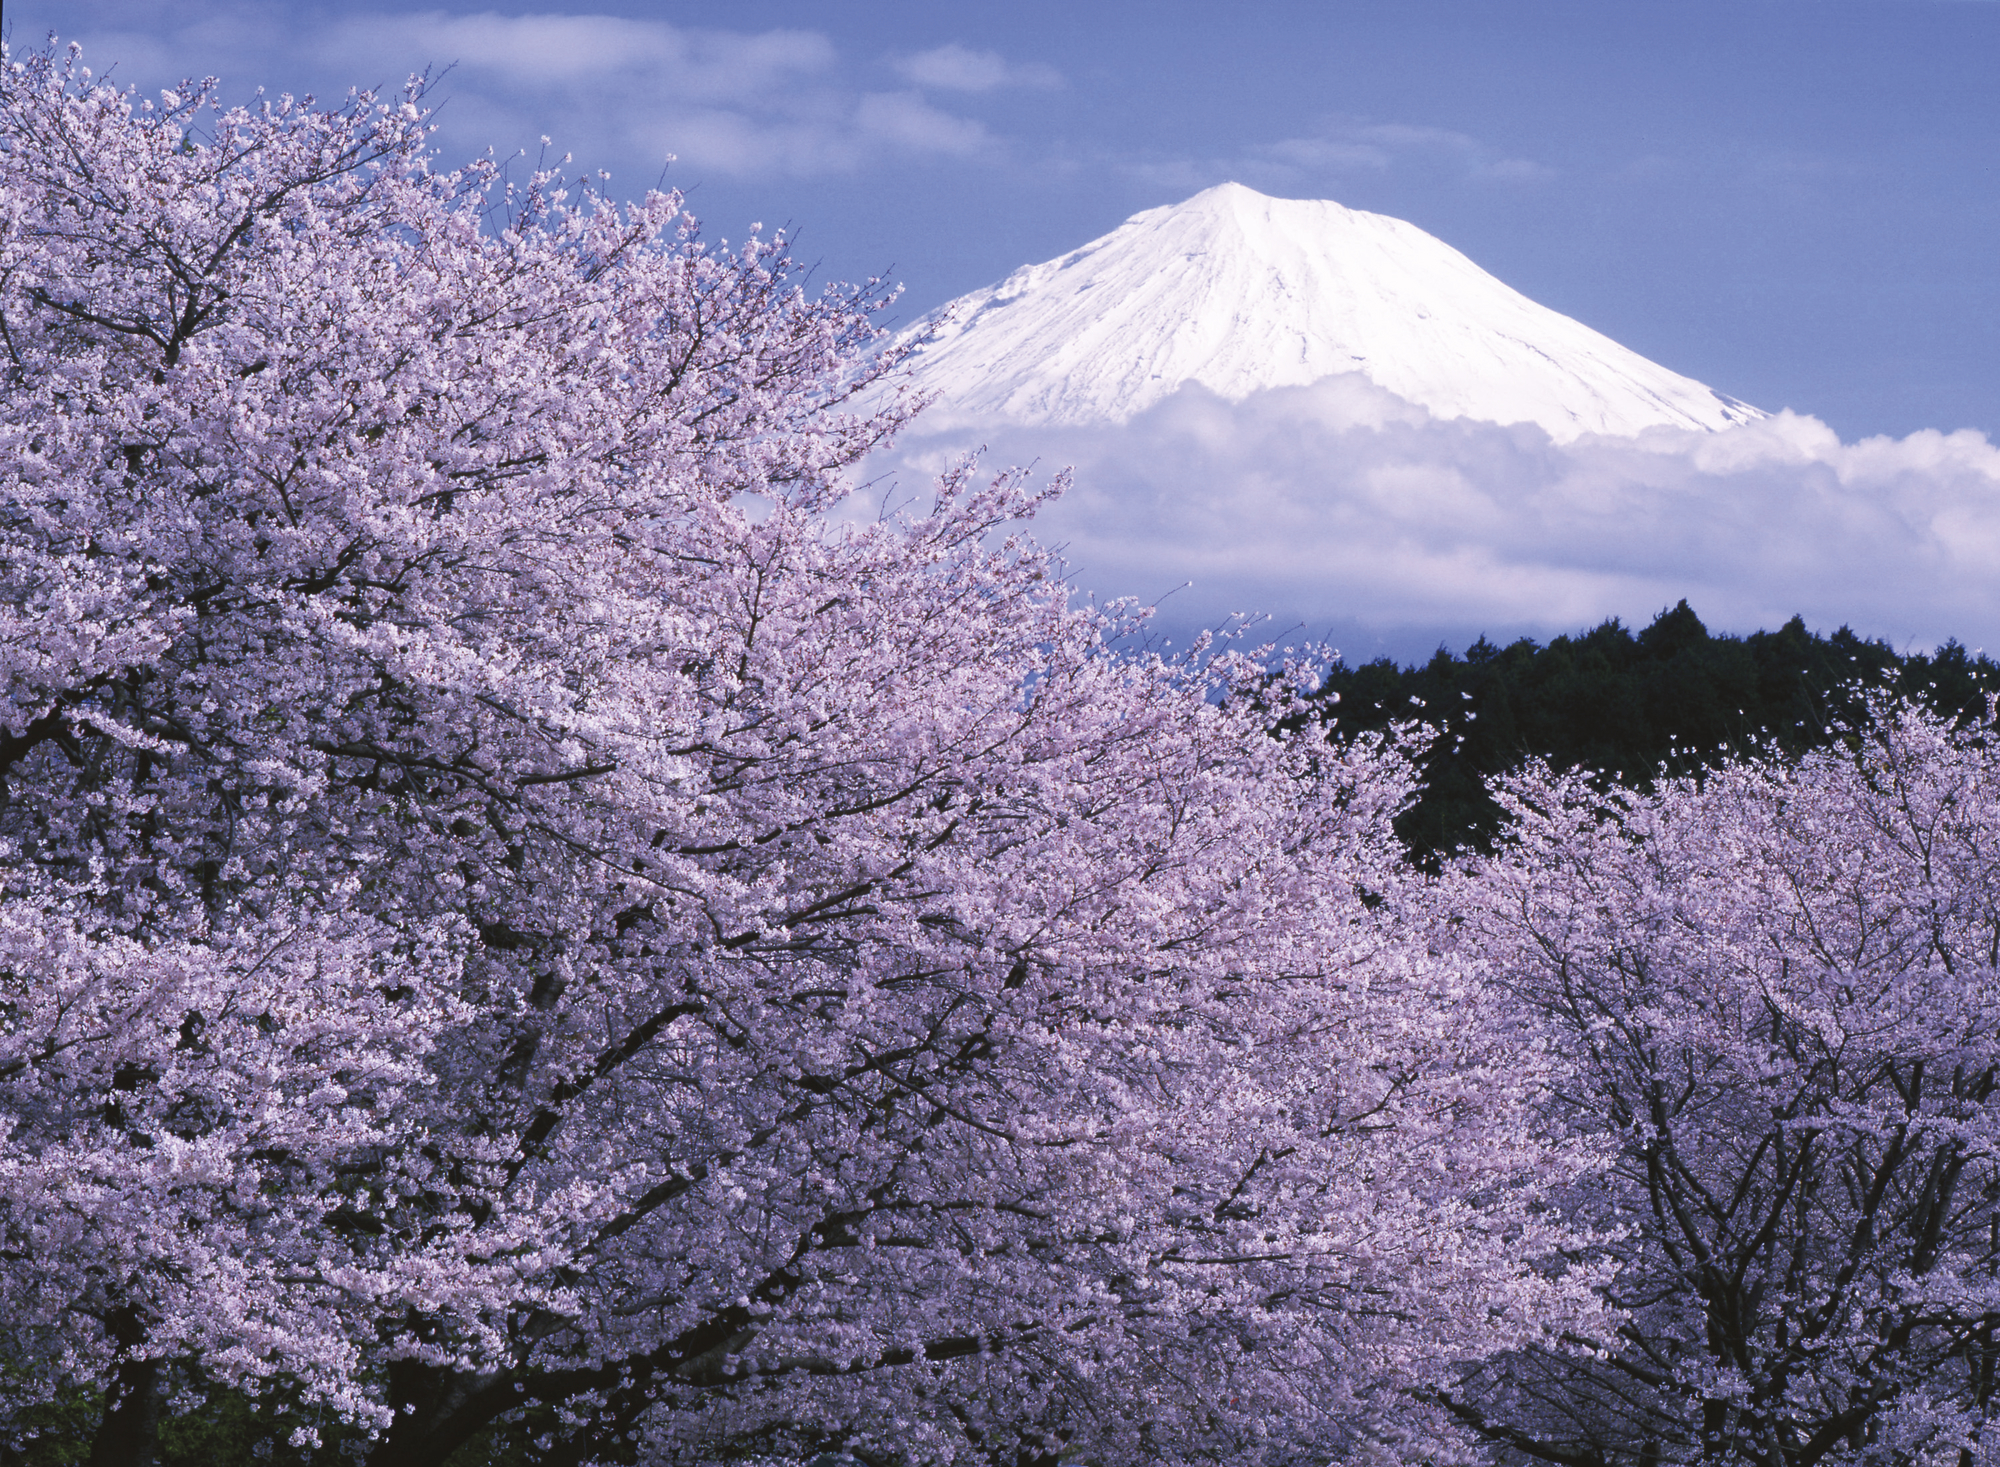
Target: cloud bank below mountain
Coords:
[(1341, 510)]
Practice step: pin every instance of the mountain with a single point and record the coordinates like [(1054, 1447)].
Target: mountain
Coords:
[(1239, 292)]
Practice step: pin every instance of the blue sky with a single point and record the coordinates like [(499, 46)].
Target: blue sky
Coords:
[(1797, 201)]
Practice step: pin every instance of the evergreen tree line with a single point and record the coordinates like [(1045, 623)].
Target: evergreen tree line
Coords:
[(1673, 698)]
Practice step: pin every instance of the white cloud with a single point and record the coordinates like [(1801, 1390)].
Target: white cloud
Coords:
[(1343, 147), (552, 52), (909, 122), (731, 102), (863, 129), (1338, 505), (1321, 155), (630, 93), (954, 68), (1517, 170), (1384, 144)]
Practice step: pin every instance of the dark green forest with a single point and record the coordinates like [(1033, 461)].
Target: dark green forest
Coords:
[(1673, 697)]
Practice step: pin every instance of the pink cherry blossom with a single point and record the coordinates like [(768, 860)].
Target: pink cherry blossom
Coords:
[(1782, 989), (518, 913)]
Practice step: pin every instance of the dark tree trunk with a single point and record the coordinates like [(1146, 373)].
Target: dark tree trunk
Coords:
[(449, 1410), (129, 1434)]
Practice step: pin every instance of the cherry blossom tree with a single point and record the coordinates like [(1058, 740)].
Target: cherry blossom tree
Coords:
[(1781, 986), (528, 921)]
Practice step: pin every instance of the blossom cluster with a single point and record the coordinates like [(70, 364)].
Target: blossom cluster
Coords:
[(522, 912)]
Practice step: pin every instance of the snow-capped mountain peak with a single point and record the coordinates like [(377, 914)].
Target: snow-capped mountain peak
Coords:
[(1238, 292)]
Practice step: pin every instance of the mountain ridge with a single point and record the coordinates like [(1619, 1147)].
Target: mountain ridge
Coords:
[(1239, 292)]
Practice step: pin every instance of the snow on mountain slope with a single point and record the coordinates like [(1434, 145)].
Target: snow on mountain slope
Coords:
[(1240, 292)]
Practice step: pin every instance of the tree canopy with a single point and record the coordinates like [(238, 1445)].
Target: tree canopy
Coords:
[(532, 931), (1780, 984), (524, 930)]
